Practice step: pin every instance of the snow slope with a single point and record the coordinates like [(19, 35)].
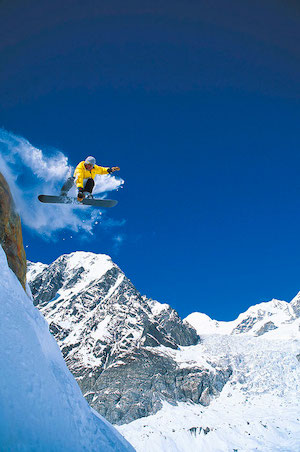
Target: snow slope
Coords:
[(257, 410), (41, 406)]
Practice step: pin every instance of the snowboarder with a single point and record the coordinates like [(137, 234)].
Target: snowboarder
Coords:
[(83, 178)]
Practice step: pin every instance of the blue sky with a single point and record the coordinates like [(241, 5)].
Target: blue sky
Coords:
[(199, 104)]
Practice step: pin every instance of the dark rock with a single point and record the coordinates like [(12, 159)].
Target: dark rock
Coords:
[(136, 388), (247, 324), (198, 430), (295, 304), (269, 326), (181, 332)]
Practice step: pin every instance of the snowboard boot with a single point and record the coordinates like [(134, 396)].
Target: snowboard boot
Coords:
[(88, 188), (88, 195), (67, 186)]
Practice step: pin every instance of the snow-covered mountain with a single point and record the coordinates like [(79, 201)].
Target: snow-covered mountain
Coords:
[(258, 409), (41, 405), (259, 319), (235, 388), (112, 338)]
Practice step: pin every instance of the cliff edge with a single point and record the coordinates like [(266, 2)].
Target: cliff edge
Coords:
[(11, 233)]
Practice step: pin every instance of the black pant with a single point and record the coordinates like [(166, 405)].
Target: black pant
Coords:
[(89, 185)]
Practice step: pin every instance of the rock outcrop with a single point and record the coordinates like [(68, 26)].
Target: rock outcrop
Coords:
[(11, 233)]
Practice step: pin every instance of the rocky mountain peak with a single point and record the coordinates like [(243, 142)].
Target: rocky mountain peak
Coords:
[(112, 337), (295, 304)]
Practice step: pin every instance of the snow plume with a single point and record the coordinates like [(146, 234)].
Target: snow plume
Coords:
[(31, 171)]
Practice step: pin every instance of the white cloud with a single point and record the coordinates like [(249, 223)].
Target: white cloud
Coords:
[(118, 239), (30, 172)]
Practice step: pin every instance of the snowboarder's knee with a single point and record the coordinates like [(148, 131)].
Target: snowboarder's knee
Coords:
[(89, 185)]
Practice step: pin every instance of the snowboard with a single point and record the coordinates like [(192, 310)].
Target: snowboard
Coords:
[(49, 199)]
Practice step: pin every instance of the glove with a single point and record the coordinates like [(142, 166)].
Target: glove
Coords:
[(80, 195), (113, 169)]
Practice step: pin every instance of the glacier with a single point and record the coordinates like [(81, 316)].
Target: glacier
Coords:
[(41, 405), (258, 409)]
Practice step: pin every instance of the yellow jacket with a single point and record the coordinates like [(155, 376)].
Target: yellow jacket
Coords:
[(82, 173)]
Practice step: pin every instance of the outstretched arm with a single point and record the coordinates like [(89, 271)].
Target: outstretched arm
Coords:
[(105, 170), (113, 169)]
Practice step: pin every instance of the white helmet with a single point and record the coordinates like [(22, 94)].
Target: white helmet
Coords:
[(90, 160)]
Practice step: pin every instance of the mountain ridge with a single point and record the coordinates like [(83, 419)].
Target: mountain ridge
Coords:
[(258, 319), (110, 334)]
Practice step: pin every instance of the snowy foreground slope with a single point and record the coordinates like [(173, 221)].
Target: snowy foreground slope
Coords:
[(41, 406), (258, 408)]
